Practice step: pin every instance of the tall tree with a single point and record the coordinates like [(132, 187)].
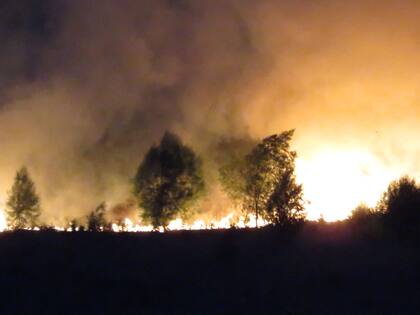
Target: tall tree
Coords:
[(401, 205), (23, 205), (264, 181), (168, 180)]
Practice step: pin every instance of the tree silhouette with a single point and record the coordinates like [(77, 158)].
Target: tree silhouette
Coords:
[(233, 165), (367, 221), (264, 181), (361, 214), (168, 180), (23, 206), (285, 205), (96, 219), (401, 205)]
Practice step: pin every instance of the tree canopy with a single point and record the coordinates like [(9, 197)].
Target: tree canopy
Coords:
[(232, 165), (264, 181), (23, 205), (362, 213), (168, 180), (401, 204)]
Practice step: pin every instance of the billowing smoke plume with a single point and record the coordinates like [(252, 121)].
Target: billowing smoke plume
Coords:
[(87, 86)]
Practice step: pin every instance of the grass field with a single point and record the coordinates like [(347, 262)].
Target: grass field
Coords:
[(319, 270)]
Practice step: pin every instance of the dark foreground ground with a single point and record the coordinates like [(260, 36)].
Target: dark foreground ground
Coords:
[(319, 271)]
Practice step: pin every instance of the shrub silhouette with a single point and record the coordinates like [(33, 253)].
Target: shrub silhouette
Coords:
[(362, 213), (367, 220)]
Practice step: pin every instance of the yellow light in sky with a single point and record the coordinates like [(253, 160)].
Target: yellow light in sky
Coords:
[(3, 222), (336, 181)]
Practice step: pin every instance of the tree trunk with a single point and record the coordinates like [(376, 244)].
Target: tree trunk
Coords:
[(256, 214)]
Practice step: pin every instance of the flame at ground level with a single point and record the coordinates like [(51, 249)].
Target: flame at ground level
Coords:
[(229, 221), (334, 182), (226, 222)]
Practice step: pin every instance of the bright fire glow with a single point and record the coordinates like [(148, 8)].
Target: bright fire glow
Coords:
[(336, 181), (226, 222), (3, 222)]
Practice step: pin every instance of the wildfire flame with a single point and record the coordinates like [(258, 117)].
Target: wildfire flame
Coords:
[(229, 221), (178, 224)]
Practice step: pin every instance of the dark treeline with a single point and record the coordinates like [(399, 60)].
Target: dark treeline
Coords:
[(397, 212), (260, 180)]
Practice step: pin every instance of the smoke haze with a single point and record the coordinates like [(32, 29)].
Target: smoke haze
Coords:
[(87, 86)]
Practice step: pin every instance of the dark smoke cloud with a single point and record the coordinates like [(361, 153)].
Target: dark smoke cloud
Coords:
[(87, 86)]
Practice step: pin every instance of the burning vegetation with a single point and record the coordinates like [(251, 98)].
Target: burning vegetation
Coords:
[(169, 185), (119, 117), (81, 105)]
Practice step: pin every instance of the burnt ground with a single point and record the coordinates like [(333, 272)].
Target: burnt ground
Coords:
[(319, 270)]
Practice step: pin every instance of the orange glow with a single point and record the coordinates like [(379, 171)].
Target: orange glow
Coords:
[(226, 222), (336, 181), (3, 222)]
